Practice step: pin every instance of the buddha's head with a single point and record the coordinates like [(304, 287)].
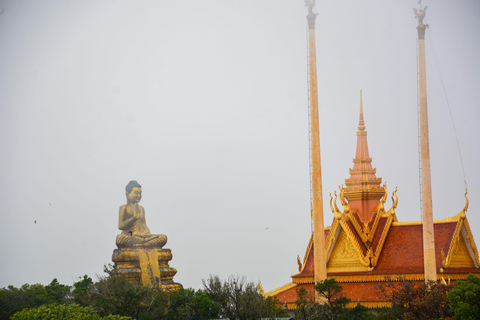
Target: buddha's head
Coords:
[(133, 192)]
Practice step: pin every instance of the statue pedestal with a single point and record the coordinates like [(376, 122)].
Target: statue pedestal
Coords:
[(146, 265)]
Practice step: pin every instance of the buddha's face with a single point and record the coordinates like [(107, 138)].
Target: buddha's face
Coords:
[(135, 196)]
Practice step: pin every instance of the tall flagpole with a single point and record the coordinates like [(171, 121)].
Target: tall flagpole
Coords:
[(320, 269), (427, 212)]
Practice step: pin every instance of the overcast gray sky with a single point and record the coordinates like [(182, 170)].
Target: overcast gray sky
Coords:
[(205, 104)]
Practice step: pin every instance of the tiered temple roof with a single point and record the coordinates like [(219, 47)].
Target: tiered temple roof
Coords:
[(366, 244)]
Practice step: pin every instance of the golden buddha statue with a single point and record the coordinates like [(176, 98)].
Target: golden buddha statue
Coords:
[(140, 256), (131, 221)]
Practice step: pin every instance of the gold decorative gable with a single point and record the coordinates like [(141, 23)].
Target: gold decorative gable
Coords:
[(460, 255), (462, 251), (365, 231), (345, 257)]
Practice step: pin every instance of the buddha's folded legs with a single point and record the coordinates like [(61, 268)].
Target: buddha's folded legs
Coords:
[(128, 241)]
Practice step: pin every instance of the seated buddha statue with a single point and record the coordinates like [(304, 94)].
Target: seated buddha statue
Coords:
[(131, 221)]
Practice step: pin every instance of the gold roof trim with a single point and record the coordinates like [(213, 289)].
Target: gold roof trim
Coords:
[(369, 304), (393, 277), (415, 223), (362, 160), (291, 306), (337, 215), (358, 171), (280, 289), (304, 280), (260, 288), (331, 239), (309, 247), (361, 181), (358, 194)]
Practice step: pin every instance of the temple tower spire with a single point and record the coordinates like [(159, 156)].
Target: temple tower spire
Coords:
[(361, 122), (320, 265), (427, 212), (363, 189)]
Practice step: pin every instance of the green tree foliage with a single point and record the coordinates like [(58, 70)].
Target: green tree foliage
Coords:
[(465, 298), (61, 311), (116, 295), (335, 303), (113, 297), (189, 304), (417, 300), (56, 292), (305, 305), (82, 291), (30, 296), (238, 299), (333, 306), (274, 308)]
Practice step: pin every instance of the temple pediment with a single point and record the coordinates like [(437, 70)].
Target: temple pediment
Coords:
[(462, 251), (345, 256)]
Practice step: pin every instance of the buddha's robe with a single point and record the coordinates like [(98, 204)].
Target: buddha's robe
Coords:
[(135, 232)]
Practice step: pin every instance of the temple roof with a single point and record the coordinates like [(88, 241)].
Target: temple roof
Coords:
[(401, 255)]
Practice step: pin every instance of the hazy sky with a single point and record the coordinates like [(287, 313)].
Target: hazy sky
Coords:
[(205, 104)]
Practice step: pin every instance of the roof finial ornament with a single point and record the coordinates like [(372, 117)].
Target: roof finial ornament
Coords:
[(361, 123), (310, 16), (310, 4), (420, 13)]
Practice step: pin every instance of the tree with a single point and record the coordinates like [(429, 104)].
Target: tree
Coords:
[(117, 295), (238, 299), (56, 292), (82, 291), (61, 311), (465, 298), (417, 300), (189, 304), (274, 308), (113, 294), (305, 305), (14, 299), (333, 306)]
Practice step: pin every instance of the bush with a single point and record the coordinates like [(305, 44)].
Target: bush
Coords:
[(465, 298), (417, 299), (60, 311)]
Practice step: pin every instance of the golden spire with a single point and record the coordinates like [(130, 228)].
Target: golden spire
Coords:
[(361, 123), (363, 189)]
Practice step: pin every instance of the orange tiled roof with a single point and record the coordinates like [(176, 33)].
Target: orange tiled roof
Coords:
[(402, 252), (376, 237)]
